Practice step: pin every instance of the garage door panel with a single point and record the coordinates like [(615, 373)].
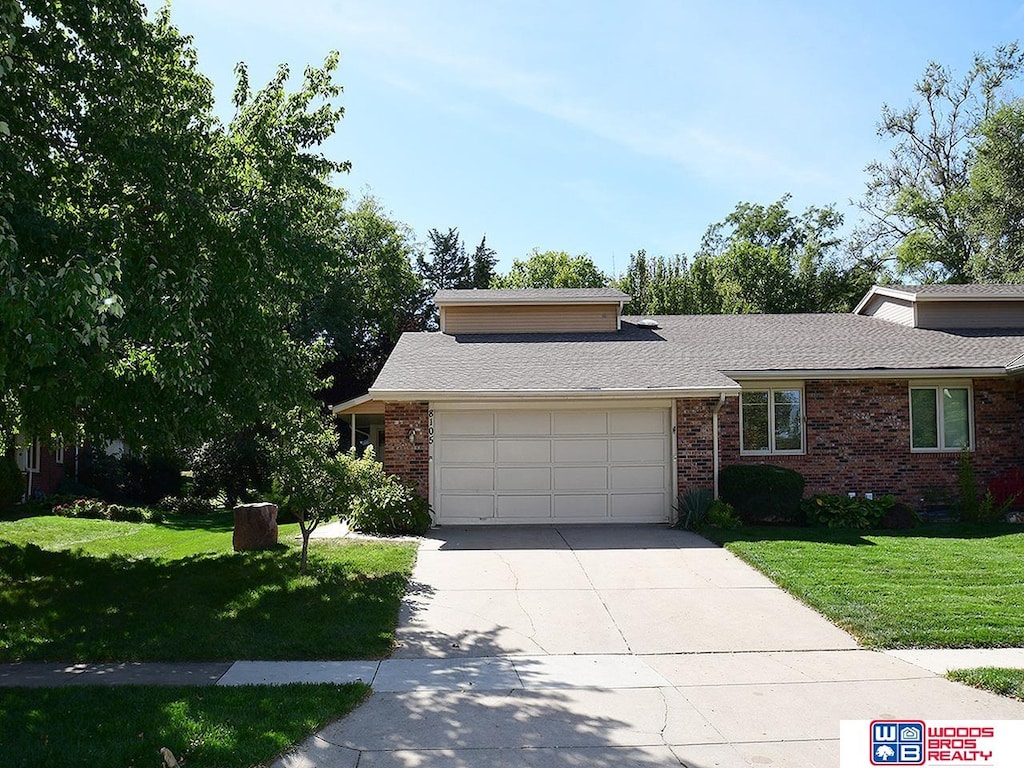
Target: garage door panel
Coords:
[(524, 423), (569, 451), (581, 478), (630, 478), (465, 451), (637, 422), (642, 450), (518, 478), (638, 506), (523, 451), (553, 463), (580, 423), (524, 507), (581, 506), (467, 507), (467, 478), (464, 422)]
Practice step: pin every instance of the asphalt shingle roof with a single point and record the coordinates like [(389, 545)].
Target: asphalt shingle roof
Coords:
[(685, 352), (993, 290)]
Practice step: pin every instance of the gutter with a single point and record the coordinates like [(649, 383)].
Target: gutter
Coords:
[(714, 440)]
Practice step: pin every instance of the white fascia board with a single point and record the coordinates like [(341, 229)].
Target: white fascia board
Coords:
[(882, 290), (470, 301), (877, 373), (405, 395), (351, 403), (931, 297)]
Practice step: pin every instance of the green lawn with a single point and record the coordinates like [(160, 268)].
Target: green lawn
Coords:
[(126, 727), (92, 590), (1005, 682), (938, 586)]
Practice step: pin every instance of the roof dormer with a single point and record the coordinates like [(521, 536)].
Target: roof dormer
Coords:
[(939, 307), (530, 310)]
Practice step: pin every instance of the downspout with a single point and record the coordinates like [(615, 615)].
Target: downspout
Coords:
[(714, 438)]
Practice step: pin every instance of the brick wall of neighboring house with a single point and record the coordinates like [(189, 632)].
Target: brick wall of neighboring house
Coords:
[(50, 473), (408, 460), (695, 442), (858, 438)]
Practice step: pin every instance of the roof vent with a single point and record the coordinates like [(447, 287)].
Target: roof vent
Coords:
[(646, 322)]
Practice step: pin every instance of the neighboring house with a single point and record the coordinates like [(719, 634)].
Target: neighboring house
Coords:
[(535, 406), (42, 467)]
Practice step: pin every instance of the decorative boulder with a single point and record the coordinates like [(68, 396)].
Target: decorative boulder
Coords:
[(255, 527)]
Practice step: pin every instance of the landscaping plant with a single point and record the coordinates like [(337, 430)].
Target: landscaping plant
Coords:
[(762, 492), (722, 515), (692, 508), (379, 503), (846, 511)]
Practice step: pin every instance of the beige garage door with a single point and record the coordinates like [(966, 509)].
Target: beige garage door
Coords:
[(559, 464)]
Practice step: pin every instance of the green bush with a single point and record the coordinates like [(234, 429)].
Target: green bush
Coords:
[(186, 506), (95, 509), (722, 515), (239, 465), (12, 483), (379, 503), (846, 511), (762, 492), (692, 508), (126, 479)]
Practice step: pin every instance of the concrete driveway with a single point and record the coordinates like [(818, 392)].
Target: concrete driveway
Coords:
[(618, 646)]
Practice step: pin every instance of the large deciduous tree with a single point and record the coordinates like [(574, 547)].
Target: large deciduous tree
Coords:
[(997, 197), (370, 298), (153, 259), (917, 202), (552, 269)]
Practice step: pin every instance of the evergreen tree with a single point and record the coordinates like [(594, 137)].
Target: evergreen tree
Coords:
[(482, 265)]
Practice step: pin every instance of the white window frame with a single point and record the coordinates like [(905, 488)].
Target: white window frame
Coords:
[(58, 454), (771, 388), (940, 425)]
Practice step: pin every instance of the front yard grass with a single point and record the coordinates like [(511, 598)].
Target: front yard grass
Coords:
[(1005, 682), (95, 591), (938, 586), (127, 726)]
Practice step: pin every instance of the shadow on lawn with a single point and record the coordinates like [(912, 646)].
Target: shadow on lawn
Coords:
[(857, 537), (66, 606)]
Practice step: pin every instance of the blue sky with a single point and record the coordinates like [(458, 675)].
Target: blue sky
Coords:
[(600, 127)]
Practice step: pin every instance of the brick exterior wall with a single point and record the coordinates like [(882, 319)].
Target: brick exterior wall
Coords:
[(858, 438), (695, 442), (409, 460)]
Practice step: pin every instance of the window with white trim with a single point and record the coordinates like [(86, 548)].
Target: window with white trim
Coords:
[(772, 420), (941, 417), (58, 454)]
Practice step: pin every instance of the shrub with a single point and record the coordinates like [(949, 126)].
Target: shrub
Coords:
[(95, 509), (126, 478), (378, 503), (238, 465), (12, 483), (762, 492), (722, 515), (847, 511), (186, 506), (899, 517), (692, 508)]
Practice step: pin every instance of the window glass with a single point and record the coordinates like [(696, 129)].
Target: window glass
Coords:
[(788, 431), (755, 421), (924, 419), (955, 427)]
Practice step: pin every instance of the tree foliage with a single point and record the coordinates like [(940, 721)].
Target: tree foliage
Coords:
[(917, 203), (153, 257), (552, 269), (759, 259), (997, 197), (482, 264), (371, 296)]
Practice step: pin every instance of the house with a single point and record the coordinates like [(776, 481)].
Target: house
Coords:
[(43, 466), (536, 406)]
